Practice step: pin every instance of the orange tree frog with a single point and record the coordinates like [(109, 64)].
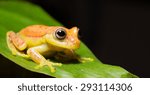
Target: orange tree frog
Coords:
[(38, 41)]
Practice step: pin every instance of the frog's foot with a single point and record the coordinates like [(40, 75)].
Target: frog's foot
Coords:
[(18, 53), (23, 55), (51, 65), (85, 59)]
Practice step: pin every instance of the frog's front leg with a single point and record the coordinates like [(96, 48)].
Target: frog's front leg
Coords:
[(35, 55), (16, 44)]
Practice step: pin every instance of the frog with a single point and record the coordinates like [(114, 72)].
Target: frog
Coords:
[(36, 42)]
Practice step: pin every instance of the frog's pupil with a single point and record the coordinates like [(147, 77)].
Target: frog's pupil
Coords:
[(60, 34)]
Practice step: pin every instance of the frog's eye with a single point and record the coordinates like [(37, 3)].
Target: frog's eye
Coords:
[(60, 34)]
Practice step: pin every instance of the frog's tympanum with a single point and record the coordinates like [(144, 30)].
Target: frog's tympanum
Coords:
[(38, 41)]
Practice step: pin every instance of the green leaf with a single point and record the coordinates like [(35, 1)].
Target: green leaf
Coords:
[(17, 15)]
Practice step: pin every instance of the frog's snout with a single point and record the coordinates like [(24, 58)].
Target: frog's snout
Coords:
[(74, 31), (73, 38)]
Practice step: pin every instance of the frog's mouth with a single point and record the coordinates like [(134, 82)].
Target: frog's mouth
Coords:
[(64, 45)]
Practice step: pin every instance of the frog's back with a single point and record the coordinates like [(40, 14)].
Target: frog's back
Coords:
[(33, 35), (34, 31)]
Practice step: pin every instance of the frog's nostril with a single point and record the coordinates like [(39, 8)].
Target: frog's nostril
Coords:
[(72, 40)]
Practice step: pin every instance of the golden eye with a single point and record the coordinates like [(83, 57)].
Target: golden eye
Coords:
[(60, 34)]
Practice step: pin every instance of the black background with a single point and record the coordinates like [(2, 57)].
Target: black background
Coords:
[(117, 31)]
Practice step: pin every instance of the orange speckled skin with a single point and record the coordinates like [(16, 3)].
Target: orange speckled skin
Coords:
[(35, 30)]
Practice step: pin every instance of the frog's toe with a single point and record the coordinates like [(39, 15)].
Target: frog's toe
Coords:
[(57, 64), (23, 55), (38, 67), (52, 69), (84, 59)]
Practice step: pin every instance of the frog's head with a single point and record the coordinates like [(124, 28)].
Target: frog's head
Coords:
[(63, 37)]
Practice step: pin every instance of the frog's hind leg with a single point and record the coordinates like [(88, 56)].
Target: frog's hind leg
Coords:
[(16, 44)]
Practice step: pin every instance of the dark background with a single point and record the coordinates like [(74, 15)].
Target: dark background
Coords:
[(117, 31)]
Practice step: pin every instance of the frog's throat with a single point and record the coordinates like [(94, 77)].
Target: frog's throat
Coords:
[(59, 46)]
